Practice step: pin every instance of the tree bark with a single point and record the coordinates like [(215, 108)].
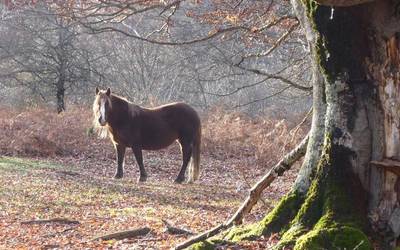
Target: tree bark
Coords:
[(62, 61), (348, 177), (60, 96)]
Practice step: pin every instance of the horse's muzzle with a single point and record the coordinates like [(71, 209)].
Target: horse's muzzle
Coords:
[(102, 122)]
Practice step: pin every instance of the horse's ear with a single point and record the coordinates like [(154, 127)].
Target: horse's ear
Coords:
[(108, 92), (97, 90)]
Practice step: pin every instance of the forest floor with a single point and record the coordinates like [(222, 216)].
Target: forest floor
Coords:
[(78, 186)]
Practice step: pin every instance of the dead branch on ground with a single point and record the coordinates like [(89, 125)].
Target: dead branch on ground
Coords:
[(54, 220), (175, 230), (124, 234)]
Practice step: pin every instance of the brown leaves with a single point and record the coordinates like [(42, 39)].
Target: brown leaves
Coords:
[(78, 184)]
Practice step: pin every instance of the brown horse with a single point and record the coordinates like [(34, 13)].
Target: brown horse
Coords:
[(129, 125)]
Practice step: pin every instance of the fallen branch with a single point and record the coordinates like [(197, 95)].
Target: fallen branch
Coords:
[(55, 220), (254, 194), (202, 236), (124, 234), (248, 185), (174, 230)]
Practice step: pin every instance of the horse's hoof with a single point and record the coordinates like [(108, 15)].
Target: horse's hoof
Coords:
[(179, 180), (118, 176), (142, 179)]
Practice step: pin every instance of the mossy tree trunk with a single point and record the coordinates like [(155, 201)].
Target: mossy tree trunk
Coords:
[(339, 195)]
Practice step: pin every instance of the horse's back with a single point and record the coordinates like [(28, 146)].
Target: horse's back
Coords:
[(163, 125), (179, 116), (179, 111)]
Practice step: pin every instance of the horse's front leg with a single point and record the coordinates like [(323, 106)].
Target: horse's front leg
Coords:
[(120, 160), (139, 159)]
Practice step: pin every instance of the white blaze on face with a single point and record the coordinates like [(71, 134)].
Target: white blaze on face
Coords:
[(102, 112)]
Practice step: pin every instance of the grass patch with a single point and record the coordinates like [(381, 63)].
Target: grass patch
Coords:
[(24, 165)]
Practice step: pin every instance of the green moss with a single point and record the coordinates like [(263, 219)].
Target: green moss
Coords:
[(208, 244), (337, 228), (327, 218), (274, 221), (310, 211), (246, 232), (340, 237), (337, 207), (204, 245), (281, 215), (306, 217), (290, 236)]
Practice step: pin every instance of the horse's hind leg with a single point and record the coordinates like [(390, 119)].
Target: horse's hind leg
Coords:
[(139, 159), (120, 161), (186, 154)]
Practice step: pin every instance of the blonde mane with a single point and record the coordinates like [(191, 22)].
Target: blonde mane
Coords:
[(101, 131)]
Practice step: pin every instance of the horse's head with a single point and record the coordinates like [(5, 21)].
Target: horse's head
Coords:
[(102, 106)]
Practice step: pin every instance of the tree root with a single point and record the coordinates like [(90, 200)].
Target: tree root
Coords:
[(328, 218), (124, 234)]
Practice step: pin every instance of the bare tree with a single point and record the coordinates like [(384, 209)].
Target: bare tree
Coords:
[(41, 51), (224, 53)]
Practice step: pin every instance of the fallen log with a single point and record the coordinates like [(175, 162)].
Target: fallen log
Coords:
[(54, 220), (124, 234)]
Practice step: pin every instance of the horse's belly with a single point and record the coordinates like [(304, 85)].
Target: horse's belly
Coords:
[(157, 144)]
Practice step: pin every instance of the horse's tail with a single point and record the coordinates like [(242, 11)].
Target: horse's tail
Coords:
[(195, 164)]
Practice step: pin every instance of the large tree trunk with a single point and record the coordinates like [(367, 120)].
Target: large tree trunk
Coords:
[(349, 181)]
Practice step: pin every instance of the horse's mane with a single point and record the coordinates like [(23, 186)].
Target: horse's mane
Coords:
[(102, 131), (116, 101)]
